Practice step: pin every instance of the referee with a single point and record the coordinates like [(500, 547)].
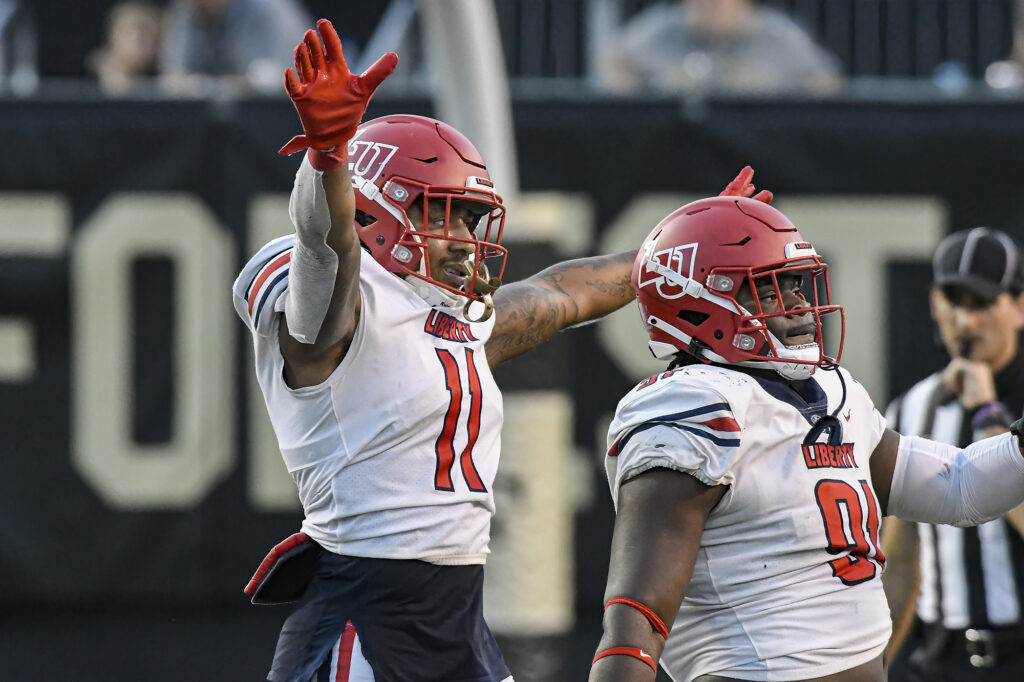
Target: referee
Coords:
[(967, 583)]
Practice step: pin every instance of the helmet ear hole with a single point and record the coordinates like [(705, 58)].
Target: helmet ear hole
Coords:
[(694, 317), (364, 218)]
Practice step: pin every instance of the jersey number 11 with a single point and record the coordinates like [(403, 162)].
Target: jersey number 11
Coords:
[(445, 445)]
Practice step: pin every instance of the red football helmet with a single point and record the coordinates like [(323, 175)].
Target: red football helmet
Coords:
[(398, 160), (693, 265)]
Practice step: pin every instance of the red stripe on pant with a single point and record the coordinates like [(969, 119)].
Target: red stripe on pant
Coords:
[(345, 645)]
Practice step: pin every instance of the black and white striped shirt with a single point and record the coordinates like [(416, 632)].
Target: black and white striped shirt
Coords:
[(970, 577)]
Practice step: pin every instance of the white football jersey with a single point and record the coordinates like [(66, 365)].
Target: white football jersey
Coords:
[(395, 454), (787, 583)]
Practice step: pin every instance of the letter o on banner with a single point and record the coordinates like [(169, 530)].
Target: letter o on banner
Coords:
[(200, 452)]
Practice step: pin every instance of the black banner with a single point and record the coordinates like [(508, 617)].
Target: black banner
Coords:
[(126, 393)]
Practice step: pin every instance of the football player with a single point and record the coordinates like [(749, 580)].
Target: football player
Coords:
[(375, 328), (751, 476)]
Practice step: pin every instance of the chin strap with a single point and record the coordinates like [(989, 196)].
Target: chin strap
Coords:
[(810, 353), (483, 286)]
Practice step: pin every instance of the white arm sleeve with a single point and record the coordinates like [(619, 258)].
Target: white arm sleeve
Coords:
[(314, 265), (939, 483)]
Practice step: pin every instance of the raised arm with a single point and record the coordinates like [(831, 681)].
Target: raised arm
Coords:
[(322, 307), (322, 304), (531, 311), (658, 527)]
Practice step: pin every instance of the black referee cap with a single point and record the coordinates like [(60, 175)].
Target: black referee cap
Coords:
[(985, 262)]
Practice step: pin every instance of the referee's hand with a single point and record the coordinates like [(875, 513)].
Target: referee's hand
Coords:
[(971, 381)]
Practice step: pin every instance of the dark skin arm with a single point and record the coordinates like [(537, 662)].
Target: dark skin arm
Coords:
[(311, 364), (529, 312), (883, 464), (660, 520), (658, 527)]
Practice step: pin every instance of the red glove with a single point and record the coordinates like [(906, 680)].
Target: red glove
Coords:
[(741, 187), (330, 100)]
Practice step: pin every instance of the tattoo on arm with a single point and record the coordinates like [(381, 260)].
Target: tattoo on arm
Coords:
[(528, 315), (531, 311)]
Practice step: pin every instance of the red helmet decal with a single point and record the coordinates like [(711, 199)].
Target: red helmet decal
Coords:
[(367, 158), (666, 269)]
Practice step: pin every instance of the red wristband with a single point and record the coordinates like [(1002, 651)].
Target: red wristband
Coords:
[(633, 651), (657, 623)]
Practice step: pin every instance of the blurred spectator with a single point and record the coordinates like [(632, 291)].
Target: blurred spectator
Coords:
[(718, 45), (244, 44), (18, 71), (128, 58)]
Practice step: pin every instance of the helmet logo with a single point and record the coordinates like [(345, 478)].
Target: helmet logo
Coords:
[(668, 270), (367, 159)]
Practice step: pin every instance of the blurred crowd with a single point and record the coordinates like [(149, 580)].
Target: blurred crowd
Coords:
[(177, 47), (194, 48), (197, 47), (731, 45)]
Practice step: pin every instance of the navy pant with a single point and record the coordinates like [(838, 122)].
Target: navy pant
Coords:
[(416, 621)]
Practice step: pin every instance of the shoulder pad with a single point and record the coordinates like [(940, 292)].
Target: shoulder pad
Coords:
[(263, 279)]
